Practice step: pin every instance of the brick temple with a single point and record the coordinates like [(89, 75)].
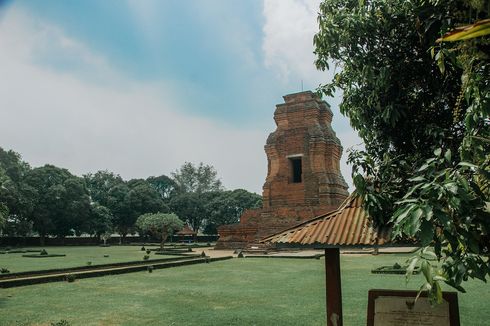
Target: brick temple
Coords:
[(303, 172)]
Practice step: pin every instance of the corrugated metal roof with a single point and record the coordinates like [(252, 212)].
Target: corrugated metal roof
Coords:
[(349, 225)]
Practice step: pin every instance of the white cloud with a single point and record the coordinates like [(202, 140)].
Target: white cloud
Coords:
[(288, 39), (134, 129)]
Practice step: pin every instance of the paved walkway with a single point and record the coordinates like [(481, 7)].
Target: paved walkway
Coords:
[(210, 251)]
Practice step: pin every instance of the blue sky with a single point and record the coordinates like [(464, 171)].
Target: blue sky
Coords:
[(138, 87)]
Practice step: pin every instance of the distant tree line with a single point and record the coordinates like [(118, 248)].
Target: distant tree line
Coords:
[(51, 201)]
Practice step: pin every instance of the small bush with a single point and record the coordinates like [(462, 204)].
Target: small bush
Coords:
[(4, 271), (106, 256), (189, 249), (148, 251), (146, 257), (150, 269), (208, 244), (240, 254), (203, 254), (397, 266), (62, 322), (143, 248), (43, 252), (89, 263), (70, 278)]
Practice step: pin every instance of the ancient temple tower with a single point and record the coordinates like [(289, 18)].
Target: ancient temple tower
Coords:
[(303, 174)]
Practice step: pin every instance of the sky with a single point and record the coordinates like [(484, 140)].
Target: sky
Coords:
[(138, 87)]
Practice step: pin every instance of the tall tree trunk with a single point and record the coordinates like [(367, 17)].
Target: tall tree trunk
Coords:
[(42, 238)]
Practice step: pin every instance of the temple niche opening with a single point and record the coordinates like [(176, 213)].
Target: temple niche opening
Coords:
[(303, 172)]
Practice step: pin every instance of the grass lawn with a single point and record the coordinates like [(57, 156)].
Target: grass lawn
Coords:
[(233, 292), (75, 256)]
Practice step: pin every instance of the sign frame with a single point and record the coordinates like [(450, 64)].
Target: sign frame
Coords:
[(450, 297)]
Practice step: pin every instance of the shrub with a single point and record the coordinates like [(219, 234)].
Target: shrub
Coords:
[(189, 249), (89, 263), (240, 254), (208, 244), (4, 271), (148, 251), (397, 266), (143, 248), (70, 278), (106, 256), (62, 322), (43, 252), (150, 269), (203, 254), (146, 257)]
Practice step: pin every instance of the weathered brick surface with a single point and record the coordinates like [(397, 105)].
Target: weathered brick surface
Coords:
[(303, 131)]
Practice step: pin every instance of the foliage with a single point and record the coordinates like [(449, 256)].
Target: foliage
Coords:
[(165, 186), (200, 179), (60, 201), (228, 206), (99, 185), (99, 221), (191, 207), (159, 224), (422, 109)]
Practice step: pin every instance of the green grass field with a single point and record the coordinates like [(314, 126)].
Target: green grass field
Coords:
[(233, 292), (75, 256)]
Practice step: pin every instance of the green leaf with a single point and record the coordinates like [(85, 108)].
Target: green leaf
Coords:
[(415, 221), (411, 268), (438, 152), (417, 179), (427, 271), (468, 164), (447, 155)]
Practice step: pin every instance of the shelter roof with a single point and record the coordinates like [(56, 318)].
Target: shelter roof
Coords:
[(186, 230), (346, 226)]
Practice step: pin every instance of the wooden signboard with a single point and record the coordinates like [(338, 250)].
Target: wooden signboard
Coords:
[(397, 308)]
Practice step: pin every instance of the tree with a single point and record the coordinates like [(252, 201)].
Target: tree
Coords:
[(422, 109), (200, 179), (160, 225), (14, 193), (191, 207), (60, 201), (129, 200), (227, 207), (118, 204), (164, 185), (100, 221), (100, 183)]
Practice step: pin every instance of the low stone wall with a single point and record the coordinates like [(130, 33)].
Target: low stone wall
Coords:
[(86, 241)]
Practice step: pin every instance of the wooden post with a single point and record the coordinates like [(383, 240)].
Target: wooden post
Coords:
[(333, 285)]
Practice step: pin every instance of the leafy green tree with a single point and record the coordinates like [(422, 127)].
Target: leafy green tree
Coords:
[(14, 193), (100, 221), (227, 207), (164, 185), (118, 204), (191, 207), (100, 183), (422, 109), (197, 179), (61, 201), (160, 225), (129, 200)]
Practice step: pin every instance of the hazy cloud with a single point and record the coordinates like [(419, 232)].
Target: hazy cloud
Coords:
[(134, 129)]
